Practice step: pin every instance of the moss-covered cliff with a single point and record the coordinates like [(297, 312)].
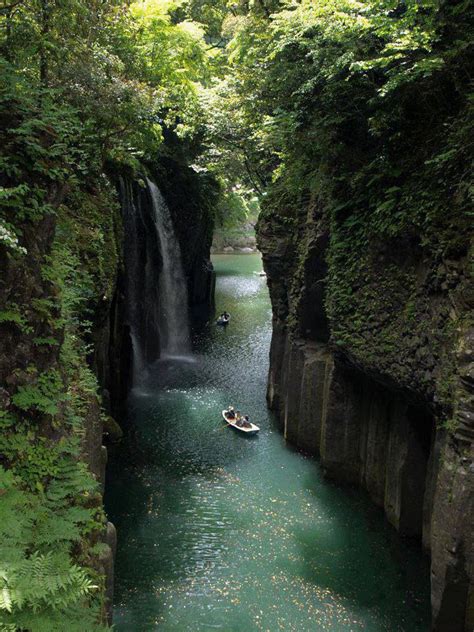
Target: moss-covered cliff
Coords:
[(64, 368), (366, 237), (57, 546), (385, 399), (382, 388), (65, 365)]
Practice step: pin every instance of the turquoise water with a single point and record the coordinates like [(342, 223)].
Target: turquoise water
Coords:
[(218, 531)]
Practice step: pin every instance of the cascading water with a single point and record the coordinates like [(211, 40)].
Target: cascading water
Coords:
[(155, 285), (173, 313)]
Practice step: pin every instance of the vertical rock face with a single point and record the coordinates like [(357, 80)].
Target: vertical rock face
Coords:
[(45, 342), (190, 203), (189, 198), (385, 397)]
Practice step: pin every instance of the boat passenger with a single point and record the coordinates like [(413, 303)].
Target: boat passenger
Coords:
[(231, 412), (246, 422)]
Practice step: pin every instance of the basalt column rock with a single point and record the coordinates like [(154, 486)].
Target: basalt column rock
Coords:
[(452, 533), (317, 368), (381, 387)]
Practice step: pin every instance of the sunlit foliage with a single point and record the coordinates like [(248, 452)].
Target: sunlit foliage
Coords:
[(362, 108)]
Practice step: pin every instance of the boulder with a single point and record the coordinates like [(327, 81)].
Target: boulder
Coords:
[(112, 430)]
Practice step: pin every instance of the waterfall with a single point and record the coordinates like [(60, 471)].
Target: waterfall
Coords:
[(173, 313), (155, 285)]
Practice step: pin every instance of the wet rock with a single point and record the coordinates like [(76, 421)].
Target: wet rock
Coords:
[(452, 546), (372, 389), (107, 561), (317, 366), (4, 399), (292, 384), (112, 430)]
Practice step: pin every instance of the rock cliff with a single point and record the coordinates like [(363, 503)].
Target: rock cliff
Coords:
[(372, 370), (190, 198), (52, 424), (66, 357)]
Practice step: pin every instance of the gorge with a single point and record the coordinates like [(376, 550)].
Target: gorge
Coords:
[(131, 134), (227, 532)]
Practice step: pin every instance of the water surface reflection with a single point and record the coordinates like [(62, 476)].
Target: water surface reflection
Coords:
[(223, 533)]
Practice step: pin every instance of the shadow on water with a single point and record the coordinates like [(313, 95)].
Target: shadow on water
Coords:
[(334, 558), (220, 532)]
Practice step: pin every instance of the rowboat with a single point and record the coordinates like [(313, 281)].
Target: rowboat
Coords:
[(222, 320), (251, 429)]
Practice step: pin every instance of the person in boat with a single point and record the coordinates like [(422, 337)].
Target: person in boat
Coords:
[(230, 412), (223, 319), (246, 421), (238, 418)]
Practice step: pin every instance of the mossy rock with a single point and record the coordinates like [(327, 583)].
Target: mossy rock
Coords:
[(112, 430)]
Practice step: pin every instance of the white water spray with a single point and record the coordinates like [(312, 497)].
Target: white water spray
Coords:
[(173, 316)]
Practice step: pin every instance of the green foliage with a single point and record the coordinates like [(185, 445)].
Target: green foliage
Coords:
[(85, 90), (330, 97), (362, 109), (236, 206), (40, 586), (43, 394), (46, 513), (14, 316)]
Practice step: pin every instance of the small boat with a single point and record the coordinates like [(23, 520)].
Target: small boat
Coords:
[(249, 429), (223, 320)]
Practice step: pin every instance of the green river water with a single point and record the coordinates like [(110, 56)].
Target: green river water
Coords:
[(219, 531)]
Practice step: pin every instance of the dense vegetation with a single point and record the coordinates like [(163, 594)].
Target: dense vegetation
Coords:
[(82, 94), (359, 108)]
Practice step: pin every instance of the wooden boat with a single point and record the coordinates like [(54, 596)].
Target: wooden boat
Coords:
[(222, 320), (249, 430)]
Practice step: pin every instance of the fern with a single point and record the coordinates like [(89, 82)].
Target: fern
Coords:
[(41, 587), (43, 395)]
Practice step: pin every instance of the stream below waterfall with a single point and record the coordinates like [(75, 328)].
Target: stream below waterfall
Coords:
[(218, 531)]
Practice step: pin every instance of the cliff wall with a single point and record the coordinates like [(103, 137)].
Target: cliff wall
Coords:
[(372, 371), (65, 371), (190, 198), (51, 455)]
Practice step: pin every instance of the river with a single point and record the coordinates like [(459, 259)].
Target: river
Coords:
[(219, 531)]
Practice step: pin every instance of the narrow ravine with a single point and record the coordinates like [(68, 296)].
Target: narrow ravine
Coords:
[(222, 532)]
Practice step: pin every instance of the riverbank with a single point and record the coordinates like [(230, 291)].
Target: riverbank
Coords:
[(240, 239), (231, 250)]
